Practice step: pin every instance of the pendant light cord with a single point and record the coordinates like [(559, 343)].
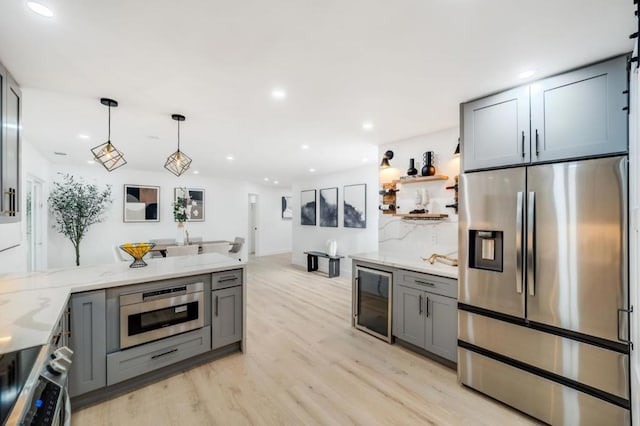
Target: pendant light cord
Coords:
[(109, 132), (178, 135)]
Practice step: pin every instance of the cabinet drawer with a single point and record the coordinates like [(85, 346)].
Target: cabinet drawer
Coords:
[(226, 279), (142, 359), (431, 283)]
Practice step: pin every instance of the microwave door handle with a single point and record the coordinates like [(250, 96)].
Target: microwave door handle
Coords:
[(531, 244), (519, 254)]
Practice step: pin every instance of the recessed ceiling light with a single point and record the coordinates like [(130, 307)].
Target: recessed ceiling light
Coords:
[(40, 9), (304, 146), (230, 157), (83, 136), (526, 74), (276, 182), (367, 125), (195, 172), (278, 94), (364, 160), (91, 162), (312, 170), (266, 179)]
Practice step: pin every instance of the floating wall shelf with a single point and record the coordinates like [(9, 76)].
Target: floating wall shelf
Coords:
[(420, 179), (389, 196)]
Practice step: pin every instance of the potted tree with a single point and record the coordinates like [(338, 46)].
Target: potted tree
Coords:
[(75, 206)]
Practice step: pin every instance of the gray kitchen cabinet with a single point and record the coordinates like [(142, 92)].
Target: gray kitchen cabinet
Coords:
[(495, 130), (10, 147), (88, 340), (423, 317), (226, 316), (580, 113), (441, 325), (408, 320), (576, 114)]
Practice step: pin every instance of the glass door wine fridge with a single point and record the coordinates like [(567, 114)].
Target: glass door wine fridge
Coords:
[(372, 302)]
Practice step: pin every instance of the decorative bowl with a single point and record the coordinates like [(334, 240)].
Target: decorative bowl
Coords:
[(137, 251)]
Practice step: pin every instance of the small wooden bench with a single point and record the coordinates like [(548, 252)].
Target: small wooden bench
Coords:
[(334, 262)]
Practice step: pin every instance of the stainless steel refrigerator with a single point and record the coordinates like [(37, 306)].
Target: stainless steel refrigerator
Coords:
[(543, 315)]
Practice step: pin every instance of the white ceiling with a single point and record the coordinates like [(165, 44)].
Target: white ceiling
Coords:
[(405, 65)]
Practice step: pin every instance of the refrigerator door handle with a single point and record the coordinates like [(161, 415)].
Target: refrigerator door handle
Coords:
[(628, 312), (519, 213), (531, 229)]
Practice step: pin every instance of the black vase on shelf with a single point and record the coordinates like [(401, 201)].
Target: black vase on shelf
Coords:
[(412, 168), (428, 169)]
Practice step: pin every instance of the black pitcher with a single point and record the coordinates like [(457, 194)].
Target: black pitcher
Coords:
[(428, 169)]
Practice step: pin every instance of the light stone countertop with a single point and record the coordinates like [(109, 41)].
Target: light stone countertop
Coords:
[(32, 303), (407, 262)]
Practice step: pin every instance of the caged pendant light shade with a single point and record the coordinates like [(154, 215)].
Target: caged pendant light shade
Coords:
[(178, 162), (106, 154)]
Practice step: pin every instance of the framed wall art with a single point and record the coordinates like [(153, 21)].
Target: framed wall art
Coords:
[(308, 207), (141, 203), (193, 199), (329, 207), (355, 206), (287, 211)]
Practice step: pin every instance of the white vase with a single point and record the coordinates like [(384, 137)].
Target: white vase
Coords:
[(180, 234), (332, 247)]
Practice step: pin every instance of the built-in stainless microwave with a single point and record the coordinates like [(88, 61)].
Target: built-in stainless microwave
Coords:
[(151, 315)]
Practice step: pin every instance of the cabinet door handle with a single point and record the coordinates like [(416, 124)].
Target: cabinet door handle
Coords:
[(420, 304), (165, 353), (537, 143), (216, 305), (226, 279), (523, 144), (427, 306)]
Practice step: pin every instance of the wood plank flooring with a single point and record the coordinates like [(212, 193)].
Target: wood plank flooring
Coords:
[(305, 365)]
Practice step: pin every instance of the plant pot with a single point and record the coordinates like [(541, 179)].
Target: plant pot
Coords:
[(180, 234)]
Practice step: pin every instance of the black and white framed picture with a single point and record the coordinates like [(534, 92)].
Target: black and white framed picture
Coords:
[(355, 206), (193, 199), (329, 207), (287, 211), (308, 207), (141, 203)]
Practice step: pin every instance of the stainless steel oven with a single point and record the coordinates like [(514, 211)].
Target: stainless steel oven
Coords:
[(151, 315), (33, 386)]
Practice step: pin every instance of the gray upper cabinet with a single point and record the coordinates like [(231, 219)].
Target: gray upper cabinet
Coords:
[(580, 113), (572, 115), (495, 130), (89, 342), (10, 147), (226, 316)]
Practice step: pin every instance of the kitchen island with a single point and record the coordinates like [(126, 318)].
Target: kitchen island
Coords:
[(404, 299), (128, 326)]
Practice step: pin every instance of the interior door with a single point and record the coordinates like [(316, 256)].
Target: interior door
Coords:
[(492, 202), (577, 270)]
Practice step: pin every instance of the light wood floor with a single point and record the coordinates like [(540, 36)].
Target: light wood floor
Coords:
[(305, 365)]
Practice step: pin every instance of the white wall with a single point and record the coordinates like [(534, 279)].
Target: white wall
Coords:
[(226, 214), (274, 233), (349, 240), (422, 238), (36, 166)]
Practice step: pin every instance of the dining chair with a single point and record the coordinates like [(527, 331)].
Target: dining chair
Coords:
[(161, 241), (236, 248), (119, 255), (222, 248), (182, 250)]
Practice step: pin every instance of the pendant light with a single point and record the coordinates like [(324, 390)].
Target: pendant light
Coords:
[(107, 154), (178, 162)]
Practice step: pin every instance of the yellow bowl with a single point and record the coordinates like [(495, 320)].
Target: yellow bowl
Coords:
[(137, 251)]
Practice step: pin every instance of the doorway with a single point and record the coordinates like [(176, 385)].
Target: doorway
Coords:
[(35, 225), (253, 224)]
